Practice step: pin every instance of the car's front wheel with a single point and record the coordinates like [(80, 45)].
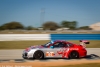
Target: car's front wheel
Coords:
[(38, 54)]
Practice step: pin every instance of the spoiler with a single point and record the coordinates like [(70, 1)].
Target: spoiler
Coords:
[(85, 41)]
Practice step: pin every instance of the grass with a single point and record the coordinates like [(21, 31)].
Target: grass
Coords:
[(82, 65), (25, 44), (19, 44)]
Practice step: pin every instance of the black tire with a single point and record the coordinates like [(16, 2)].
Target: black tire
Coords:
[(38, 55), (74, 55)]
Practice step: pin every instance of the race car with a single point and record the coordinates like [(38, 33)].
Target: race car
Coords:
[(56, 49)]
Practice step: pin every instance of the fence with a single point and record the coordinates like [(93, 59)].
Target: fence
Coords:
[(15, 37), (75, 36)]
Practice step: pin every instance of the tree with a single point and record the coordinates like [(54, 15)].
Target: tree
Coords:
[(0, 28), (69, 24), (84, 28), (50, 25), (12, 25), (30, 28), (65, 24)]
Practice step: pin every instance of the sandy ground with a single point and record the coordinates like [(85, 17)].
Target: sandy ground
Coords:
[(46, 64)]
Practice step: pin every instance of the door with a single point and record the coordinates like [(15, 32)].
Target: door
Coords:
[(56, 51)]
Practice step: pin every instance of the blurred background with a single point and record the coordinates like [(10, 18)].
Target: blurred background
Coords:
[(49, 16), (32, 22)]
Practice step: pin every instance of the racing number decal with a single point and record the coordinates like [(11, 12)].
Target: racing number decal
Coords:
[(50, 54)]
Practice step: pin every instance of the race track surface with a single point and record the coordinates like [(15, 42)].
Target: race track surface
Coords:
[(16, 54)]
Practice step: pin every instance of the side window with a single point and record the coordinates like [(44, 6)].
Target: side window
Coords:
[(69, 44), (59, 44), (56, 45)]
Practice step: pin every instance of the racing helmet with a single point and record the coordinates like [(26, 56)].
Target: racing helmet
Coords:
[(52, 41)]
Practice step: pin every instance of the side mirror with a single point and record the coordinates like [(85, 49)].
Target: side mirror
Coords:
[(52, 47)]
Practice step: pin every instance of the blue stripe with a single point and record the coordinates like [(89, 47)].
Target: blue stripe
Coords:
[(75, 36)]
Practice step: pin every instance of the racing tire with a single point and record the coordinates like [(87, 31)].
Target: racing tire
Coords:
[(38, 55), (74, 55)]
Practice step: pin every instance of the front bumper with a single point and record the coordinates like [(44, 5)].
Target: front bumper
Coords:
[(24, 55), (27, 55)]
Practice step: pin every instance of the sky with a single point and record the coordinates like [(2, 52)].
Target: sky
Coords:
[(28, 12)]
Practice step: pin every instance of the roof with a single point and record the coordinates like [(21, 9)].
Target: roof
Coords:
[(59, 40), (95, 24)]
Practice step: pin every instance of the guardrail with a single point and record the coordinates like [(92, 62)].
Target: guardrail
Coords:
[(17, 37), (75, 36)]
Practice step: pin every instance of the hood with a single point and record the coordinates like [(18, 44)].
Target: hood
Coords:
[(37, 46), (33, 47)]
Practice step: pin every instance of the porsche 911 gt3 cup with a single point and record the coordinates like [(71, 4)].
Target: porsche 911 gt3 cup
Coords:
[(56, 49)]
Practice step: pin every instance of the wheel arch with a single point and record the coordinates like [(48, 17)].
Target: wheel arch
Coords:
[(73, 51), (38, 50)]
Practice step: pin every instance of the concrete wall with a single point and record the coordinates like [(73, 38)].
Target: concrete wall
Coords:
[(18, 37)]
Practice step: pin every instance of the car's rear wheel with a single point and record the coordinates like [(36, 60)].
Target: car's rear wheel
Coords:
[(38, 55), (74, 55)]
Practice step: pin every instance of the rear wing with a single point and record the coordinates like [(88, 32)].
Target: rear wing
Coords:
[(84, 42)]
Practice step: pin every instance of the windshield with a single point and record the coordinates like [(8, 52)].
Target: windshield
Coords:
[(45, 45)]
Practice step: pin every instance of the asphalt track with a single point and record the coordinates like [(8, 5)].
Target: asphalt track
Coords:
[(16, 54)]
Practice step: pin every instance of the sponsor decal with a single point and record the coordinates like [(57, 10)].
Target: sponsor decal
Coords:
[(63, 52), (50, 54), (73, 49)]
